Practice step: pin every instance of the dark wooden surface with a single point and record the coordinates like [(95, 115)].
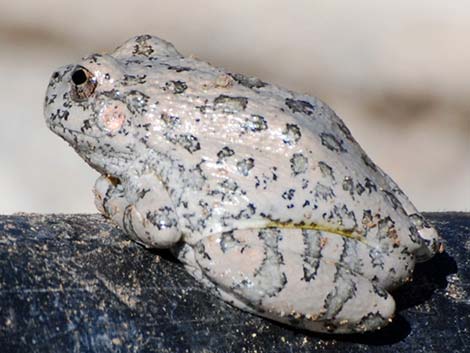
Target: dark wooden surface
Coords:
[(74, 283)]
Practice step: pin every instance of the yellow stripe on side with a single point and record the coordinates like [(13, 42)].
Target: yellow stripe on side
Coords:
[(292, 225)]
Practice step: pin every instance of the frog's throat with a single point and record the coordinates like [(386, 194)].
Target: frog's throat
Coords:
[(312, 226)]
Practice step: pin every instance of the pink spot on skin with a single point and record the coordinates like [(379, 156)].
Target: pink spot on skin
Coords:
[(113, 117)]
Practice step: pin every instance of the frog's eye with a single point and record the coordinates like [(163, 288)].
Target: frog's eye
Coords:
[(83, 84)]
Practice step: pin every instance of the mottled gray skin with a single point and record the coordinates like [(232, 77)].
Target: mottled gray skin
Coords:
[(261, 192)]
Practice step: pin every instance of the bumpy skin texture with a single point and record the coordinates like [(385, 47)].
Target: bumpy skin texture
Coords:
[(261, 192)]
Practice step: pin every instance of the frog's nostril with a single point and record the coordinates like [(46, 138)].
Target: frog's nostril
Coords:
[(79, 77)]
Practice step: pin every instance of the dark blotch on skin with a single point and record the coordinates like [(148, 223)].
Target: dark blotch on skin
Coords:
[(289, 194), (132, 80), (142, 47), (312, 252), (162, 218), (360, 189), (229, 184), (225, 152), (245, 165), (291, 134), (59, 115), (94, 59), (249, 82), (255, 123), (347, 217), (367, 217), (370, 185), (324, 192), (137, 102), (326, 170), (230, 104), (189, 142), (300, 106), (228, 241), (179, 68), (348, 185), (298, 163), (170, 120), (86, 125), (177, 86), (345, 130), (368, 162), (50, 99), (329, 141), (394, 200), (246, 213)]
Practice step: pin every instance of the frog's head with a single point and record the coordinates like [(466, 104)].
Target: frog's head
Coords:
[(97, 105)]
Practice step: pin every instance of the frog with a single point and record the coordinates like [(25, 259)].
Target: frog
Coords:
[(262, 193)]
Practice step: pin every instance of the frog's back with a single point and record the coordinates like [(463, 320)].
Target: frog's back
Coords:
[(251, 154)]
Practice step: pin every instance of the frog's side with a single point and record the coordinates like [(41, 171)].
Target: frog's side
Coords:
[(262, 192)]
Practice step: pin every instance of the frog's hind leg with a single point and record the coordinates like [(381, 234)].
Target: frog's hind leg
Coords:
[(186, 254), (280, 275)]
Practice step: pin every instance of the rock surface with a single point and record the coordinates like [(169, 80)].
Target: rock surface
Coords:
[(74, 283)]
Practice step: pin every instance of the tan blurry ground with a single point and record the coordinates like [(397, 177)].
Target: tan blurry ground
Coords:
[(397, 72)]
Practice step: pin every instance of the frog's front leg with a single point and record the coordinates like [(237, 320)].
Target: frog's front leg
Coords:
[(143, 209), (270, 272)]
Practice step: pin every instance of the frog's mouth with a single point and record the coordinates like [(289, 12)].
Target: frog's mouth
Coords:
[(61, 130), (72, 136)]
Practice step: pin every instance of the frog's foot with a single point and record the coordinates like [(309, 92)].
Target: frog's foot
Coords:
[(265, 271), (110, 199), (145, 212)]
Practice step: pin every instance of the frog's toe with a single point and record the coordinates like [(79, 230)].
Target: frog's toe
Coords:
[(107, 197), (431, 241), (102, 185)]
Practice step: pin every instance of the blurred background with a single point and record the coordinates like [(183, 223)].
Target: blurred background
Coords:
[(398, 73)]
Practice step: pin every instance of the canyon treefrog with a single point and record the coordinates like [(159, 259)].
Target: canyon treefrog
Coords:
[(261, 192)]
